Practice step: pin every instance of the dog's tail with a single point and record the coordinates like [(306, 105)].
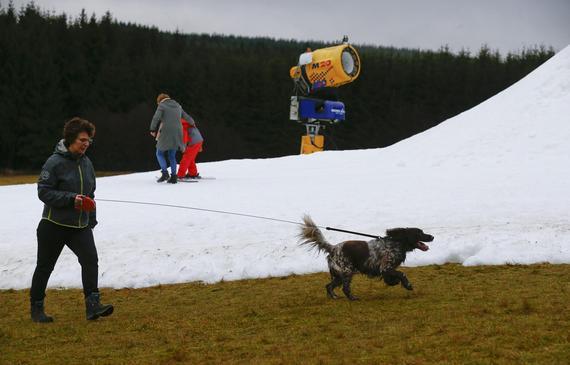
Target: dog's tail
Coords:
[(311, 235)]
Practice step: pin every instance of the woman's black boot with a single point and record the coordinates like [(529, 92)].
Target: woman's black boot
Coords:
[(37, 312), (164, 177), (94, 309)]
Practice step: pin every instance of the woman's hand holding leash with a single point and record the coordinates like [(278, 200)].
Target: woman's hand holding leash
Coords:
[(84, 203)]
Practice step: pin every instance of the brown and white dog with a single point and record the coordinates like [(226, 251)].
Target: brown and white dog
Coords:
[(376, 258)]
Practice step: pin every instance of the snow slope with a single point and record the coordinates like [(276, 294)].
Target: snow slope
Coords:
[(492, 184)]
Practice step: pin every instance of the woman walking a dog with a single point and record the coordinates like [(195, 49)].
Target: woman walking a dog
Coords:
[(66, 186)]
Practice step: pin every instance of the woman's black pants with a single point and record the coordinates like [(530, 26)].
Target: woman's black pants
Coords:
[(51, 239)]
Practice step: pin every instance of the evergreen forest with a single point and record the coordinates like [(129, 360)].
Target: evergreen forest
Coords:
[(54, 67)]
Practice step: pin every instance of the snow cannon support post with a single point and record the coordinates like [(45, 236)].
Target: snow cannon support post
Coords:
[(317, 76), (312, 141)]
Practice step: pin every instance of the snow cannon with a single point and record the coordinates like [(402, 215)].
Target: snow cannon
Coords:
[(317, 77), (326, 67)]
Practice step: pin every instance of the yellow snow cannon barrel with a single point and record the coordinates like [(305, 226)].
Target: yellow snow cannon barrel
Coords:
[(327, 67)]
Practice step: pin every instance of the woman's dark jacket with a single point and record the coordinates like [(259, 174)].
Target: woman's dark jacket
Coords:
[(64, 176)]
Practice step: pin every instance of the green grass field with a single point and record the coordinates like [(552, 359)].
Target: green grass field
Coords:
[(456, 315), (18, 179), (15, 179)]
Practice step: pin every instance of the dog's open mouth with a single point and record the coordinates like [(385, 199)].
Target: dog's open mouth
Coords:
[(422, 246)]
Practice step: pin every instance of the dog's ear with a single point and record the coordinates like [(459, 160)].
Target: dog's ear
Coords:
[(407, 235), (398, 234)]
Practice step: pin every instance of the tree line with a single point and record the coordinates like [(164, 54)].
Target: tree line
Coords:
[(55, 67)]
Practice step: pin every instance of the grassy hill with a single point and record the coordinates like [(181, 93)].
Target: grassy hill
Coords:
[(456, 315)]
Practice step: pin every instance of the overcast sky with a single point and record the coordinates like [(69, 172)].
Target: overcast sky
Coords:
[(506, 25)]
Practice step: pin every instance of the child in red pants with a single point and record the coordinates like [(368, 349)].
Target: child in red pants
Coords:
[(193, 140)]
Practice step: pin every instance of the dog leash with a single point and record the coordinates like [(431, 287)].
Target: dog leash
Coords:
[(351, 232), (230, 213)]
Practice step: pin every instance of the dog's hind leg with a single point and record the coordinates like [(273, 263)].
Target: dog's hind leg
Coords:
[(346, 280), (336, 281)]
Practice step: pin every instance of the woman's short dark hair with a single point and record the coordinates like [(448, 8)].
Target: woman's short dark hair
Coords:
[(75, 126)]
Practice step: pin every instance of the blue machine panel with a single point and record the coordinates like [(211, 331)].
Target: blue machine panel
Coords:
[(324, 110)]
